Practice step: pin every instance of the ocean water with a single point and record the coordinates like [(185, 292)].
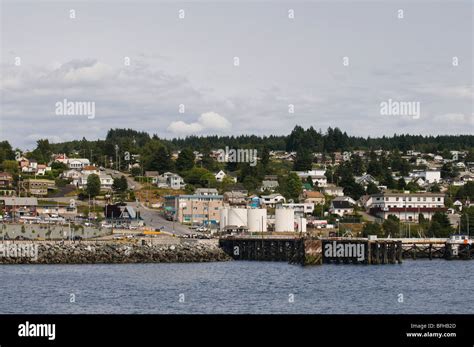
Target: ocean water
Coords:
[(420, 286)]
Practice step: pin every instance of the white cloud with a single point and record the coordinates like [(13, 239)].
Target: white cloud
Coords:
[(206, 121), (214, 121), (182, 128)]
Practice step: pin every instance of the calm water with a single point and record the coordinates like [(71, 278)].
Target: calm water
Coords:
[(438, 286)]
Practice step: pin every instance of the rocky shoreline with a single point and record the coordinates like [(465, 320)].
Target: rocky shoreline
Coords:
[(112, 252)]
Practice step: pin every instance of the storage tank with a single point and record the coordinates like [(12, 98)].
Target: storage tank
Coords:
[(257, 219), (302, 225), (284, 219), (224, 218), (237, 216)]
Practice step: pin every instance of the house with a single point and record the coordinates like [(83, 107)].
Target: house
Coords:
[(220, 176), (365, 180), (194, 209), (345, 198), (317, 176), (300, 209), (269, 185), (72, 174), (122, 215), (170, 180), (38, 187), (206, 191), (42, 169), (152, 176), (18, 207), (429, 176), (341, 207), (89, 170), (316, 198), (235, 198), (106, 181), (77, 163), (272, 200), (406, 206), (6, 180), (29, 166), (333, 190)]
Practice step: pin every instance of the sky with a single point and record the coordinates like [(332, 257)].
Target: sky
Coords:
[(137, 62)]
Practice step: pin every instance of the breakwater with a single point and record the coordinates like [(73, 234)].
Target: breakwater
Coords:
[(111, 252)]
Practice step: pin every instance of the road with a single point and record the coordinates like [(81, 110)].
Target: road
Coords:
[(154, 219), (131, 182)]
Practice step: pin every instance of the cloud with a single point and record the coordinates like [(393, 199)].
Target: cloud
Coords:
[(211, 121)]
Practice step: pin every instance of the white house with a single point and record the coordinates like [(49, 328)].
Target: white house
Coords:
[(407, 206), (317, 176), (77, 163), (272, 200), (170, 180), (300, 208), (220, 176), (333, 190)]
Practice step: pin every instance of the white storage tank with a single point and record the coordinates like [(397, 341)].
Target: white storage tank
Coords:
[(237, 216), (224, 218), (257, 219), (284, 219), (302, 225)]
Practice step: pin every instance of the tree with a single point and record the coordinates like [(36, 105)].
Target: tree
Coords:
[(401, 184), (10, 166), (372, 229), (185, 160), (135, 171), (467, 218), (156, 157), (372, 188), (391, 226), (120, 184), (303, 161), (290, 186), (440, 225), (93, 185)]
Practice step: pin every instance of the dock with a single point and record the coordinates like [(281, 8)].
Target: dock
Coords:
[(340, 250)]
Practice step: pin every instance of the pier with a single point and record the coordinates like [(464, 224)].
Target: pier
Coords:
[(339, 250)]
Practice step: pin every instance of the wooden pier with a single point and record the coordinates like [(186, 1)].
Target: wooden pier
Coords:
[(309, 251)]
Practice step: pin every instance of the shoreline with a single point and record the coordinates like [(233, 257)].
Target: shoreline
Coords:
[(111, 252)]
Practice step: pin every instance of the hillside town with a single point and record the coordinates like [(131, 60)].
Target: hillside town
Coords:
[(203, 193)]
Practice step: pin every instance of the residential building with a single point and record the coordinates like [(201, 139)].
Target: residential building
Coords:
[(194, 209), (333, 190), (38, 187), (272, 200), (235, 198), (6, 180), (365, 180), (18, 207), (152, 175), (77, 163), (316, 198), (341, 207), (300, 209), (407, 206), (269, 185), (206, 191), (170, 180), (317, 176)]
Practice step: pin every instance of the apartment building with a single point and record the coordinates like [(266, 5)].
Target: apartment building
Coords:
[(406, 206), (194, 209)]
